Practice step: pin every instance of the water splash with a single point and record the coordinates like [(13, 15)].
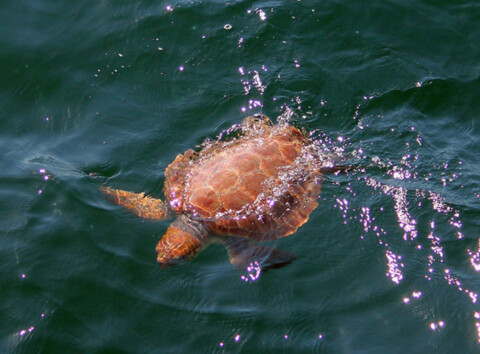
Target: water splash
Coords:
[(251, 79), (401, 192), (279, 193), (407, 192)]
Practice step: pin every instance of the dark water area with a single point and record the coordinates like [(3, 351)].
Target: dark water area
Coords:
[(108, 93)]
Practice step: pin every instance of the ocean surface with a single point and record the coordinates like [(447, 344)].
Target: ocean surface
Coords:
[(96, 93)]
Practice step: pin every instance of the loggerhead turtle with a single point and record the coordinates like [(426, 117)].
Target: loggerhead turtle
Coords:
[(257, 186)]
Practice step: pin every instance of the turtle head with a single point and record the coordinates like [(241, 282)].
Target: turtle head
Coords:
[(178, 244)]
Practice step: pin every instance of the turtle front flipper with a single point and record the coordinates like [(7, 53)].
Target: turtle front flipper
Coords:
[(244, 253), (138, 203)]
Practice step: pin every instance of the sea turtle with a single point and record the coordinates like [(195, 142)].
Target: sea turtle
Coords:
[(259, 185)]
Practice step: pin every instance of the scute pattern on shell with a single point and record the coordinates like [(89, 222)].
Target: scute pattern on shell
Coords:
[(256, 186)]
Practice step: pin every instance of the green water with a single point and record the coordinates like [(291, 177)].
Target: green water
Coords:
[(109, 92)]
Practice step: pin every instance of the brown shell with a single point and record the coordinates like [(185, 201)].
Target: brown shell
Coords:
[(231, 187)]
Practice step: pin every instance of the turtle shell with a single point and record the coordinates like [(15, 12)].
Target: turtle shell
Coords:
[(257, 186)]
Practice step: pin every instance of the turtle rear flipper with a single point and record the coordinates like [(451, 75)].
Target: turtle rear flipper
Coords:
[(138, 203), (243, 253)]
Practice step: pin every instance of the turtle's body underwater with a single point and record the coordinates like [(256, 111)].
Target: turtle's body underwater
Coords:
[(256, 187)]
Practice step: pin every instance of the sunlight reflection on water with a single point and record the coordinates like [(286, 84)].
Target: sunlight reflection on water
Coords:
[(407, 201)]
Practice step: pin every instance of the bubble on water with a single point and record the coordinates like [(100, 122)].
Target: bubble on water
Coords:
[(25, 331), (251, 79), (438, 203), (394, 271), (285, 118), (253, 272), (475, 258), (399, 195), (257, 81), (261, 14), (365, 219), (435, 326)]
